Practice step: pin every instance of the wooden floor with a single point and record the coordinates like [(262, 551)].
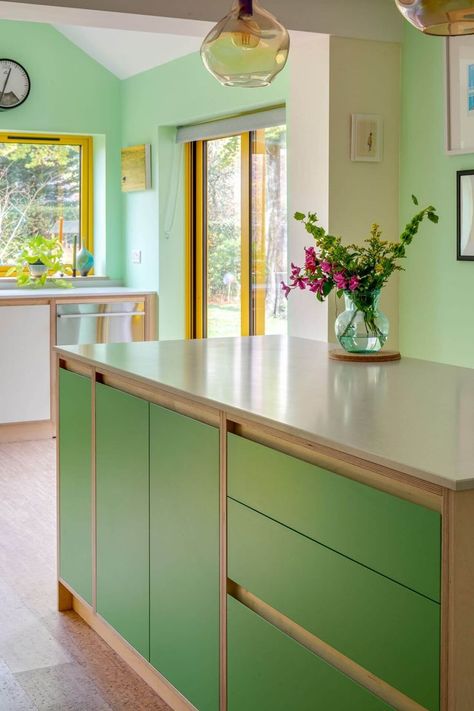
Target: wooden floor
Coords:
[(48, 660)]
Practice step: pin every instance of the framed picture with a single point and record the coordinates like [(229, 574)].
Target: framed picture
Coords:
[(465, 210), (136, 168), (367, 138), (460, 94)]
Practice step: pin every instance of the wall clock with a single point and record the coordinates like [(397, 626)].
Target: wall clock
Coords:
[(14, 84)]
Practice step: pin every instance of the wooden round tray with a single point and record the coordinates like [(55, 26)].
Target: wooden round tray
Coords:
[(380, 357)]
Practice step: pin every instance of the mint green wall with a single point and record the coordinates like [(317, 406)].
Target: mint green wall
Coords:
[(71, 93), (437, 292), (153, 104)]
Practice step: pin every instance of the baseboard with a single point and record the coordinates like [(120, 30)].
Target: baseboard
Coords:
[(23, 431)]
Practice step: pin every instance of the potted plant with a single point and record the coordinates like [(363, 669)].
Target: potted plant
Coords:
[(39, 260), (357, 272)]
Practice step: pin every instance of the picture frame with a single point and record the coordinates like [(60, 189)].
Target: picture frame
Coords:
[(465, 215), (366, 138), (136, 168), (459, 85)]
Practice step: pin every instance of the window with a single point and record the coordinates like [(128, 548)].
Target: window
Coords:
[(45, 188), (237, 246)]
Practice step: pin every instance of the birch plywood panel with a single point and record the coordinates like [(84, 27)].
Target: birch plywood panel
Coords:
[(136, 168)]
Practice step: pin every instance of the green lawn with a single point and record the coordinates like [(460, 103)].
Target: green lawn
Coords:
[(224, 320)]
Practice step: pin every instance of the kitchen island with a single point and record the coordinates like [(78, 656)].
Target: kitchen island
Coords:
[(253, 526)]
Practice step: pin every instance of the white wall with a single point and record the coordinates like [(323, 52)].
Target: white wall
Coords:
[(365, 78), (308, 169)]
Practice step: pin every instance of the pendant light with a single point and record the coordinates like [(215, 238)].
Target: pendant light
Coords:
[(247, 48), (439, 17)]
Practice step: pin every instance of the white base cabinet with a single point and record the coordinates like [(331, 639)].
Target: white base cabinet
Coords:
[(25, 364)]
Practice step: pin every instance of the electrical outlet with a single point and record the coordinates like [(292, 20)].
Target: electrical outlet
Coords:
[(136, 256)]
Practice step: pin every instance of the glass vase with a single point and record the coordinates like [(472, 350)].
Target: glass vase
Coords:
[(362, 328)]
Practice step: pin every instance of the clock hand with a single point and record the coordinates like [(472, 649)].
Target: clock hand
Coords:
[(5, 84)]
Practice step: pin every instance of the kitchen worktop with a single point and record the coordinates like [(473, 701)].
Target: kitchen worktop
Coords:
[(414, 416), (72, 293)]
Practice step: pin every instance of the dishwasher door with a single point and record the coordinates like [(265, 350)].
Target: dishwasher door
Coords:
[(112, 322)]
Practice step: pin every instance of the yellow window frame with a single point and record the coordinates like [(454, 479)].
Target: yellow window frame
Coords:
[(87, 176)]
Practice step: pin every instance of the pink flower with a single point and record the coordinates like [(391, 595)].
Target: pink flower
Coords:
[(300, 282), (354, 283), (311, 261), (295, 271), (340, 280), (326, 267), (285, 288), (317, 286)]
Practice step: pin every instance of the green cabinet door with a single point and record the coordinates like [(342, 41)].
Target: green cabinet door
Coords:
[(75, 508), (269, 671), (122, 476), (184, 555)]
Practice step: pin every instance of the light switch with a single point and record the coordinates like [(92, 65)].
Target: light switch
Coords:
[(136, 256)]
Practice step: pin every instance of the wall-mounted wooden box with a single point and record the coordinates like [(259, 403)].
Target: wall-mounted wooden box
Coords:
[(136, 168)]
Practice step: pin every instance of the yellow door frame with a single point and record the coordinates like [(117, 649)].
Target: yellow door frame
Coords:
[(252, 246)]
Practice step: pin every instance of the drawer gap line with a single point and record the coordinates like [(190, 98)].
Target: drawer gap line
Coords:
[(334, 550)]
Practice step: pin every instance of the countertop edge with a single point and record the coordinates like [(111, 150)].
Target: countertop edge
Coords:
[(412, 472)]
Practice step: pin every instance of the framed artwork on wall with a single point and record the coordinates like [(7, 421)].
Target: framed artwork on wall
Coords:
[(367, 138), (460, 94), (465, 215)]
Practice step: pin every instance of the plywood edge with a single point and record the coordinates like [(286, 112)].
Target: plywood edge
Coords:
[(151, 317), (361, 676), (458, 602), (377, 476), (22, 301), (24, 431), (157, 396), (131, 657), (65, 597), (75, 366), (223, 562)]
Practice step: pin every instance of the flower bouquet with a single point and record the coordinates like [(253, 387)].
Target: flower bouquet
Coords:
[(357, 272)]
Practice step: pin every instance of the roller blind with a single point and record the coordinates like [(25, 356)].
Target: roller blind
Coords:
[(234, 124)]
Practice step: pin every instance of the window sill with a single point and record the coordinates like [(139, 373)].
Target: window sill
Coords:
[(83, 282)]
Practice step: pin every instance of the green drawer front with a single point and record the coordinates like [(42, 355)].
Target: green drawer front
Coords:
[(122, 450), (269, 671), (383, 626), (75, 507), (395, 537), (184, 555)]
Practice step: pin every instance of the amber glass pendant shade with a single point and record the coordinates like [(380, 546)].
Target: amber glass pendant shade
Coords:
[(449, 18), (247, 48)]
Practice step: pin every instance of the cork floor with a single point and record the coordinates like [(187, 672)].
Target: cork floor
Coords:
[(49, 661)]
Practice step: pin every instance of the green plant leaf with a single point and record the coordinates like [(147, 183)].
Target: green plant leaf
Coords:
[(415, 199), (299, 216)]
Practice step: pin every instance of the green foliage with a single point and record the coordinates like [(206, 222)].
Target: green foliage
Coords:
[(40, 250), (38, 185)]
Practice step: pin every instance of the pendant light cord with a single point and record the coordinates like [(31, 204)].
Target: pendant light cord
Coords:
[(246, 7)]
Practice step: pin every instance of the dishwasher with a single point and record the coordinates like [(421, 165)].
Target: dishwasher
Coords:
[(113, 322)]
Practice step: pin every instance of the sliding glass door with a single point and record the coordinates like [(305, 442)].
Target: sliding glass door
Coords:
[(237, 246)]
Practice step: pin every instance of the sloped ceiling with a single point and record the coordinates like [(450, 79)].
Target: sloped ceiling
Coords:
[(125, 52)]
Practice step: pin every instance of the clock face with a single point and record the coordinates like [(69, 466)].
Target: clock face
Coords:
[(14, 84)]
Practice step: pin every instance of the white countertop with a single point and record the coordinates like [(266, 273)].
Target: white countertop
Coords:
[(72, 293), (414, 416)]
